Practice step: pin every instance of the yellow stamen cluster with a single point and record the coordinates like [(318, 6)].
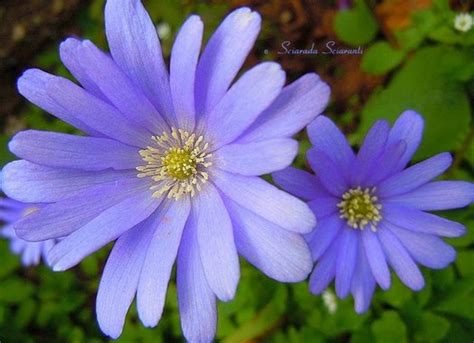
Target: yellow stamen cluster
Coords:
[(177, 163), (359, 208)]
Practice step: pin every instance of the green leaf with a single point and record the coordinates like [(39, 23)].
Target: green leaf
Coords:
[(431, 327), (356, 26), (398, 294), (14, 291), (389, 328), (465, 262), (380, 58), (425, 84)]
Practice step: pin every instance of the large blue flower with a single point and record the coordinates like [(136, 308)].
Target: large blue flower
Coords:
[(169, 166), (371, 209)]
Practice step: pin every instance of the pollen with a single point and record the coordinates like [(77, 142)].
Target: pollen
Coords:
[(360, 207), (177, 162)]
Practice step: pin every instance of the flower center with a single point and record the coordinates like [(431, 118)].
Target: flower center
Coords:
[(177, 163), (360, 207)]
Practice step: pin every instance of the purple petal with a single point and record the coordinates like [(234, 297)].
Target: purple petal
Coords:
[(159, 260), (325, 136), (325, 269), (70, 151), (376, 258), (184, 58), (370, 151), (221, 61), (197, 302), (244, 102), (427, 250), (386, 164), (33, 85), (418, 221), (106, 227), (216, 243), (363, 283), (409, 128), (135, 47), (74, 105), (324, 206), (299, 183), (120, 278), (346, 261), (331, 175), (119, 90), (257, 158), (266, 200), (415, 176), (323, 235), (282, 255), (62, 218), (71, 58), (9, 216), (29, 182), (400, 259), (295, 107), (438, 195)]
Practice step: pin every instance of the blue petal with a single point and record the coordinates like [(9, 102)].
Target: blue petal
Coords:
[(70, 151), (299, 183), (106, 227), (370, 151), (295, 107), (409, 128), (184, 58), (325, 269), (418, 221), (158, 263), (323, 235), (120, 278), (29, 182), (72, 104), (399, 258), (376, 258), (325, 136), (427, 250), (243, 103), (61, 218), (415, 176), (331, 175), (363, 282), (280, 254), (220, 62), (438, 195), (216, 242), (267, 201), (324, 206), (136, 49), (346, 261), (197, 302), (257, 158)]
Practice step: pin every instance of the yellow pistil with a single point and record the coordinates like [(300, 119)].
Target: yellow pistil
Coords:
[(177, 163), (360, 208)]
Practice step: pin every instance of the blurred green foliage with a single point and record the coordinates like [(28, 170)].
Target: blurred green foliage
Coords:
[(429, 69)]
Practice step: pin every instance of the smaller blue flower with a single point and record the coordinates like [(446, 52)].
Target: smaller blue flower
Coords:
[(372, 211), (31, 252)]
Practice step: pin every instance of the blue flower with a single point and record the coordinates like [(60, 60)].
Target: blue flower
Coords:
[(169, 166), (372, 211), (12, 211)]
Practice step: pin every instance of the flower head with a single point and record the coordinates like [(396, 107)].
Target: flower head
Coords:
[(168, 165), (463, 22), (372, 211), (12, 211)]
